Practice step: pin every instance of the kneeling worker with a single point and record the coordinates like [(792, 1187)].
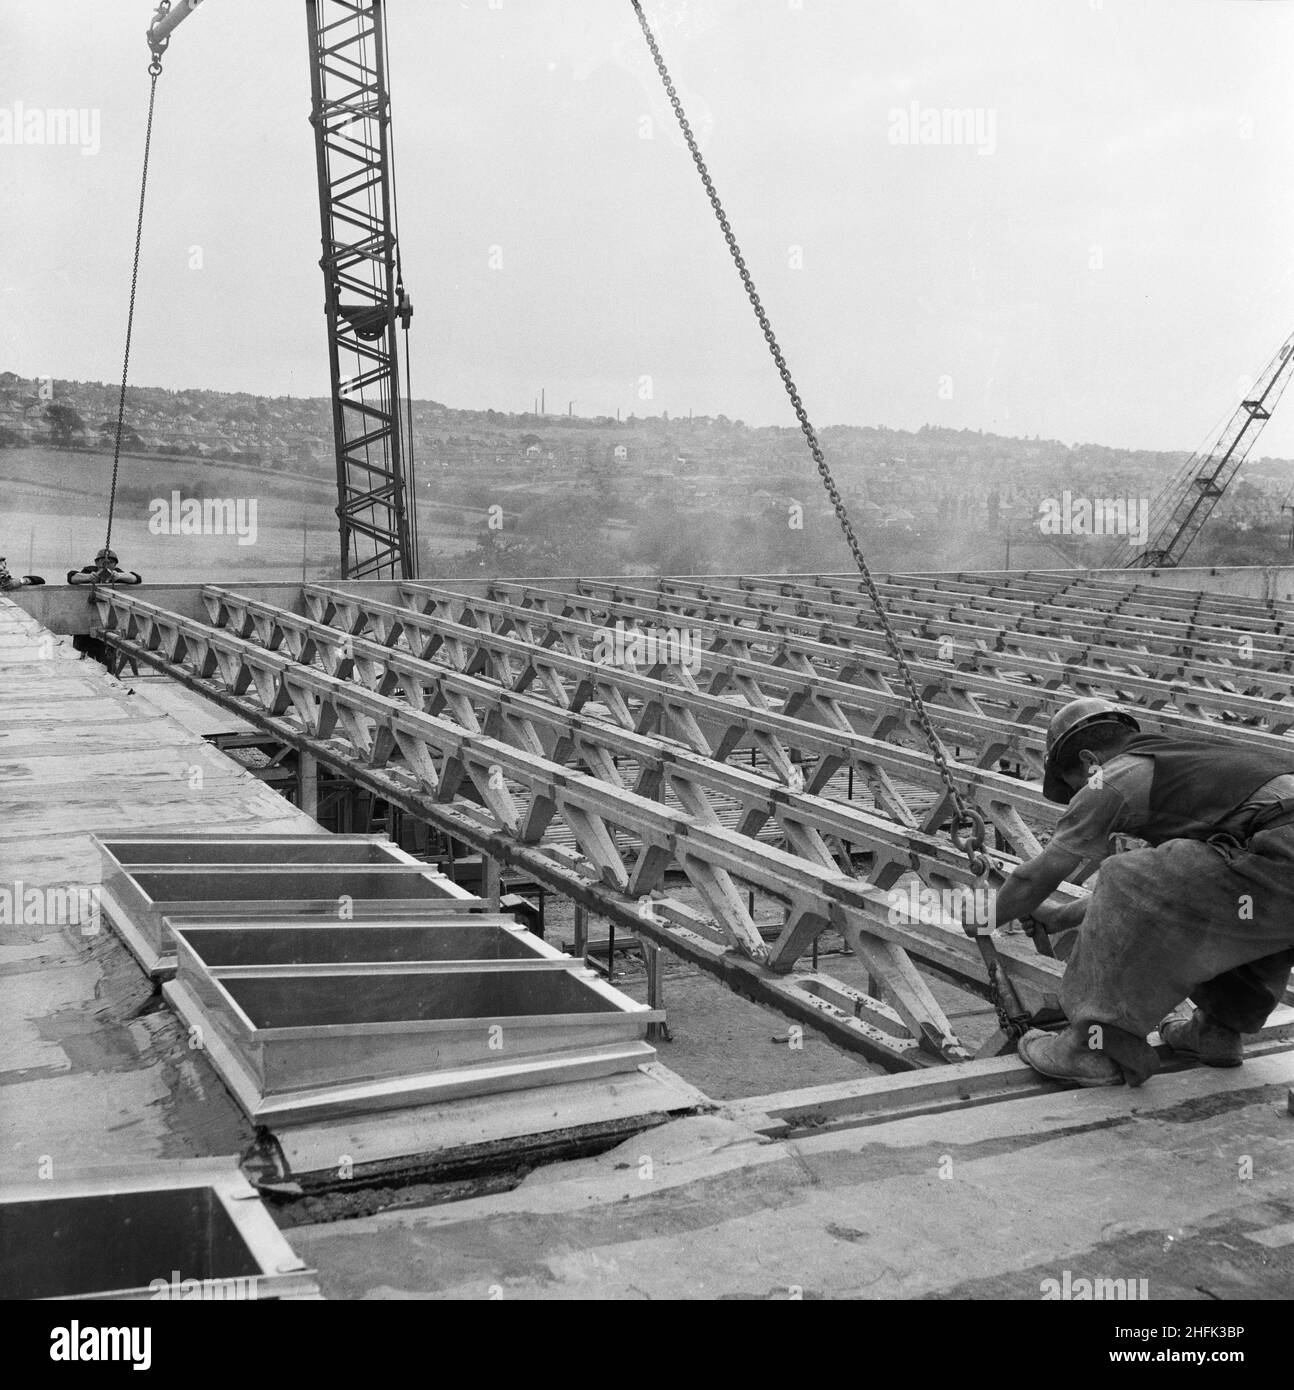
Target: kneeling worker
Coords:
[(1205, 913)]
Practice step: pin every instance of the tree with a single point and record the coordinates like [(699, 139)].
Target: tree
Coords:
[(129, 436), (64, 424)]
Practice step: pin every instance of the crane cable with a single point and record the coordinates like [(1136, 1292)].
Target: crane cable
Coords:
[(967, 823), (154, 72)]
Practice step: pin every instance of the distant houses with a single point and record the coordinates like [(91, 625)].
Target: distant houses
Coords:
[(288, 433), (936, 493)]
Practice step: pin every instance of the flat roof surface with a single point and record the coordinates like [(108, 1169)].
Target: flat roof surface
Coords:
[(92, 1068), (983, 1202), (199, 716)]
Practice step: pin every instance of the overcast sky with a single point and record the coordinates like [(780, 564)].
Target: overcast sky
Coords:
[(1107, 257)]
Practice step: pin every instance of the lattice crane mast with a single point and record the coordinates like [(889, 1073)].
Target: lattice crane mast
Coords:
[(1184, 505), (365, 303)]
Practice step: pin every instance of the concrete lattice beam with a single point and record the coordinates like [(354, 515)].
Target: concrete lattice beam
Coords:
[(489, 716)]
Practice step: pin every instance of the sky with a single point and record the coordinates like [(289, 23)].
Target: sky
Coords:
[(1101, 250)]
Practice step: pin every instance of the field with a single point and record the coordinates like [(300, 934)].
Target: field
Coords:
[(53, 511)]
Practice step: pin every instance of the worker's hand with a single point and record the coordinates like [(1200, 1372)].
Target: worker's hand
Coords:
[(1058, 917)]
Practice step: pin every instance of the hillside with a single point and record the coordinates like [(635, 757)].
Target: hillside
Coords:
[(527, 494)]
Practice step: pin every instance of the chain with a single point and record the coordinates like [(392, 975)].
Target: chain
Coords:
[(154, 72), (968, 823), (1013, 1027)]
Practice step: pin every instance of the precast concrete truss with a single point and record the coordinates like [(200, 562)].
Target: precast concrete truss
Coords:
[(808, 727), (860, 690), (967, 665), (1246, 645), (1090, 591), (987, 692), (490, 717), (320, 687), (794, 681)]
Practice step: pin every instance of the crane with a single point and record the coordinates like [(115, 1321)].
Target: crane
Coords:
[(366, 305), (1184, 505)]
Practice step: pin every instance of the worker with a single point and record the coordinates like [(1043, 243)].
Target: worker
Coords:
[(14, 581), (1203, 913), (104, 571)]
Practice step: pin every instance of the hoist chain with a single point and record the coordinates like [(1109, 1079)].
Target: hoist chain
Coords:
[(1013, 1025), (968, 824), (154, 72)]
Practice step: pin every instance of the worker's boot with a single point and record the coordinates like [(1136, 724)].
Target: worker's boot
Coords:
[(1067, 1057), (1197, 1035)]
